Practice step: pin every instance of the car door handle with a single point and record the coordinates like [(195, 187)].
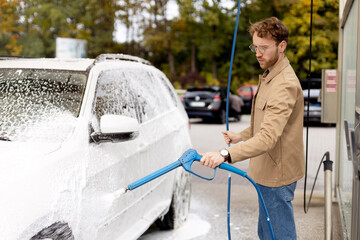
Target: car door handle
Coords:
[(143, 146)]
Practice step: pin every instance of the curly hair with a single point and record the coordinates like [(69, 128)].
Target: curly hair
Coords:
[(272, 27)]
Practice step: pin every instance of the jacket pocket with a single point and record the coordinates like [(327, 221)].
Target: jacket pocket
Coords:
[(259, 113), (260, 104), (275, 153)]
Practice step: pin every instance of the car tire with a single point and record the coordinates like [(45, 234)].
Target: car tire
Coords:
[(180, 203), (56, 231), (222, 116), (237, 117)]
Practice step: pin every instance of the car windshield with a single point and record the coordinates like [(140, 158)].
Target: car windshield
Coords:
[(39, 105)]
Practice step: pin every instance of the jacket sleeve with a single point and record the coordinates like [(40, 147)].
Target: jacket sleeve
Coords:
[(278, 109), (246, 133)]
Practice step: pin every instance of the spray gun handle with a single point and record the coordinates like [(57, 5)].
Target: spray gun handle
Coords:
[(188, 158), (191, 155)]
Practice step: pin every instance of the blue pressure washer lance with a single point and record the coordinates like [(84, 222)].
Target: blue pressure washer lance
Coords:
[(186, 161)]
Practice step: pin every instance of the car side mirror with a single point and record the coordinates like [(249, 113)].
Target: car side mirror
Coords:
[(116, 128)]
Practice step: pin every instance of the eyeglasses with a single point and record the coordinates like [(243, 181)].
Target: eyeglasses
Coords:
[(261, 49)]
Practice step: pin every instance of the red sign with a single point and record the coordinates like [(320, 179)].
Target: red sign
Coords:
[(331, 80)]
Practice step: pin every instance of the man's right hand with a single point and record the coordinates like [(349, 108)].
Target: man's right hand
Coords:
[(231, 137)]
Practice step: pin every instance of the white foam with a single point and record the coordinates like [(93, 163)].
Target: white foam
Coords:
[(193, 228), (119, 192)]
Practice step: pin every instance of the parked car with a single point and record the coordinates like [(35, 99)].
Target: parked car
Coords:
[(73, 133), (209, 102), (312, 99), (314, 105), (247, 93)]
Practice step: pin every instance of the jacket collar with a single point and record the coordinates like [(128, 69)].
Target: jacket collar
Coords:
[(268, 76)]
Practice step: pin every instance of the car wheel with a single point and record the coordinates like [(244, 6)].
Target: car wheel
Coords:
[(180, 203), (237, 117), (222, 116), (57, 231)]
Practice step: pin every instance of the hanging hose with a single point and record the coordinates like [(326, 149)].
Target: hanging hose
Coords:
[(327, 163), (227, 111), (306, 207), (307, 113)]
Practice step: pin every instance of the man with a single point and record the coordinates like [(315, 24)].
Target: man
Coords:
[(274, 140)]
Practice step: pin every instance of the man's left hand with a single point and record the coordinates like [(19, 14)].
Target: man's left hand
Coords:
[(212, 159)]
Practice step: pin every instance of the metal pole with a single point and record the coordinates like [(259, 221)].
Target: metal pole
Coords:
[(328, 196)]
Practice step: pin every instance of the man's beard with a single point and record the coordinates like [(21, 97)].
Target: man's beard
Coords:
[(268, 63)]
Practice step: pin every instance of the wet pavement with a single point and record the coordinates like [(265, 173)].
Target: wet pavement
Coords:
[(208, 211)]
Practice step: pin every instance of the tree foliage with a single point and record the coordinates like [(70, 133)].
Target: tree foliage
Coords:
[(192, 48), (10, 28), (324, 40)]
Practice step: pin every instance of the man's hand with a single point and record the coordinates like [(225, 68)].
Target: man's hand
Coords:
[(212, 159), (231, 137)]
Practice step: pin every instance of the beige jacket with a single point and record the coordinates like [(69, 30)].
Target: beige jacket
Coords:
[(274, 140)]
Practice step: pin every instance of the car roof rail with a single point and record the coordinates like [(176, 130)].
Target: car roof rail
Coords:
[(120, 56)]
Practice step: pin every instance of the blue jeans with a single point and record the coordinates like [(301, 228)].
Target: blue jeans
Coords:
[(281, 213)]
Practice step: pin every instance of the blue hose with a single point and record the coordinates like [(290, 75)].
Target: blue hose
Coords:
[(229, 167), (244, 174), (264, 206), (228, 207), (186, 161), (227, 110), (231, 64)]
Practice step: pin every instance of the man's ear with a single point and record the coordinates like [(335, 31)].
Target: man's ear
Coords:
[(283, 46)]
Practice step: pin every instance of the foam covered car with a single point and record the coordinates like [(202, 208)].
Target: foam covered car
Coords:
[(75, 131)]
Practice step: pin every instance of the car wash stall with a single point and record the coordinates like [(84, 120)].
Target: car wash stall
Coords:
[(347, 177)]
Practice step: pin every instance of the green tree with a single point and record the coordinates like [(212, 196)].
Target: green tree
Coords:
[(217, 27), (128, 13), (10, 27), (245, 66), (161, 36), (189, 48), (45, 20), (296, 16), (99, 21), (188, 16), (325, 35)]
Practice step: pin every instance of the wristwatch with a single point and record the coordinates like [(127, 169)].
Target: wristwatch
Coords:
[(226, 155)]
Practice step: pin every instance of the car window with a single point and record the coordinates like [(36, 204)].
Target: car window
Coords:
[(39, 105), (155, 95), (115, 95), (165, 85), (131, 92)]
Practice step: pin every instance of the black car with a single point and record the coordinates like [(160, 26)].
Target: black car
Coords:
[(209, 102), (312, 99), (314, 105)]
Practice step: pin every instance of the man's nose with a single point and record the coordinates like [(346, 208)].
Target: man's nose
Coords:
[(258, 53)]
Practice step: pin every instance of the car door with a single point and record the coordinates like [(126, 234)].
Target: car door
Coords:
[(128, 92)]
